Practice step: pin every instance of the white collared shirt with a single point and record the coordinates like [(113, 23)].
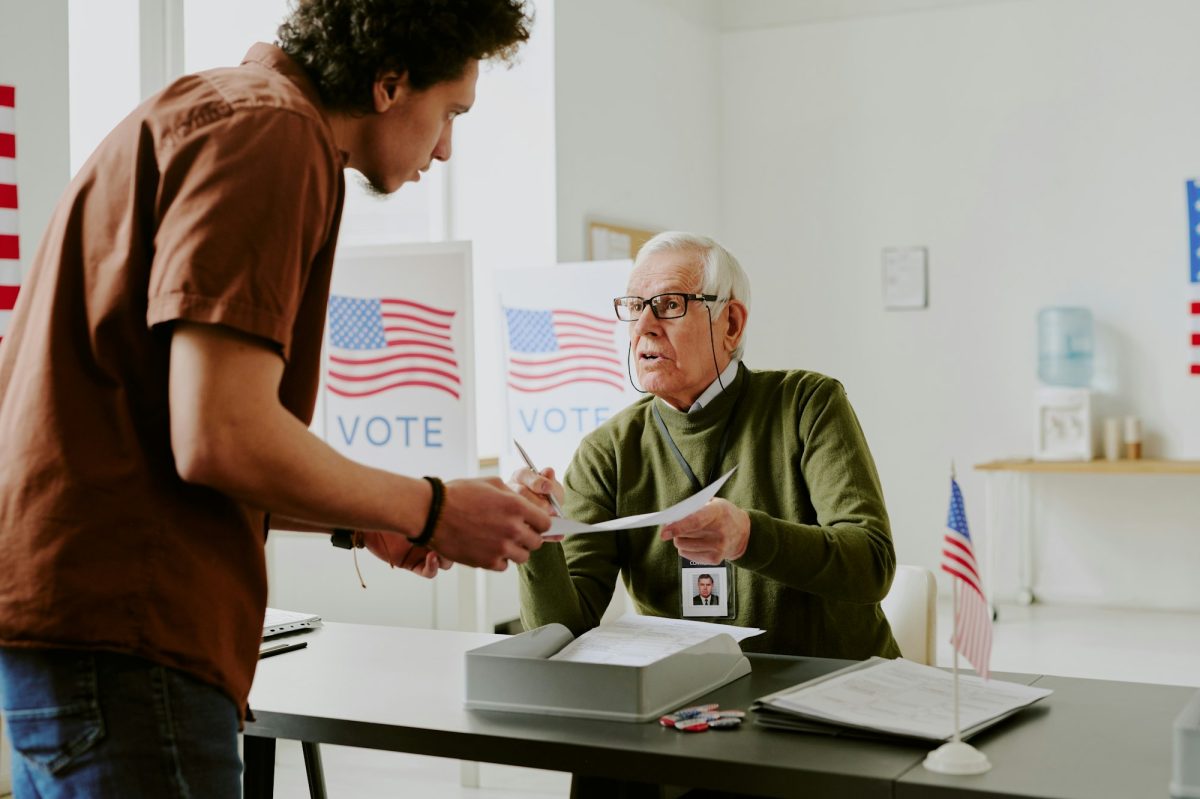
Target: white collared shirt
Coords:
[(714, 388)]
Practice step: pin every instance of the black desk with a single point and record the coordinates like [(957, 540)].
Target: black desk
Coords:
[(402, 690)]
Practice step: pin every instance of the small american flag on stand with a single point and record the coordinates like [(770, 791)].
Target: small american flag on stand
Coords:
[(972, 616), (556, 348), (379, 345), (10, 254)]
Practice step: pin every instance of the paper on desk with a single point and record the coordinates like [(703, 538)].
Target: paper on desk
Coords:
[(634, 640), (903, 698), (680, 510)]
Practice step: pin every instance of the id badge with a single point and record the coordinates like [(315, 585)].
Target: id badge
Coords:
[(706, 590)]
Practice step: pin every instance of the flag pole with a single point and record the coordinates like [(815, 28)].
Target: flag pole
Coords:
[(954, 607), (954, 633), (956, 756)]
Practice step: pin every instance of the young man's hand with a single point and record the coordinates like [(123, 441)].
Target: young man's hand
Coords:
[(398, 552), (485, 524)]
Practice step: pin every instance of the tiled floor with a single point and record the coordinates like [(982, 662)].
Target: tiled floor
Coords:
[(1107, 644)]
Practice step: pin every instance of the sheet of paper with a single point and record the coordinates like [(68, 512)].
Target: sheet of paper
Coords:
[(634, 640), (680, 510), (906, 698)]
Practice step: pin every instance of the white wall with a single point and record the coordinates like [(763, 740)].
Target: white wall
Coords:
[(103, 71), (1040, 150), (502, 195), (637, 104)]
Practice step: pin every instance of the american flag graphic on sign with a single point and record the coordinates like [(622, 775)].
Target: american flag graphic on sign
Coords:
[(10, 253), (561, 347), (972, 618), (379, 345), (1193, 194)]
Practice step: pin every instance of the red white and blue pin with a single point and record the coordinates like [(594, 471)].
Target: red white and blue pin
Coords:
[(701, 718)]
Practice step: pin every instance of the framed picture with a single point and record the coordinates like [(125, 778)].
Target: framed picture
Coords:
[(609, 242), (1063, 424)]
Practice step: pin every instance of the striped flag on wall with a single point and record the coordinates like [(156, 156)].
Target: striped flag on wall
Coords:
[(10, 254), (973, 618), (555, 348), (1193, 299), (379, 345)]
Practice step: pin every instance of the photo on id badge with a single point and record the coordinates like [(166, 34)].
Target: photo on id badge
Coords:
[(704, 591)]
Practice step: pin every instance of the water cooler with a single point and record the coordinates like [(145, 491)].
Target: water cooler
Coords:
[(1063, 401)]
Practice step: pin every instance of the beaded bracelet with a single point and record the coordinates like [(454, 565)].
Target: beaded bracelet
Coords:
[(435, 512)]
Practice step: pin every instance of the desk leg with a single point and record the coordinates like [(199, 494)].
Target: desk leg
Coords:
[(468, 774), (312, 767), (989, 538), (258, 778), (1025, 508)]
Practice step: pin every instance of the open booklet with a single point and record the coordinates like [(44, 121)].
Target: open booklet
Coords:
[(635, 669), (634, 640), (893, 698), (680, 510)]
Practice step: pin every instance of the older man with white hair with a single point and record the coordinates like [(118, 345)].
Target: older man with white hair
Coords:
[(799, 535)]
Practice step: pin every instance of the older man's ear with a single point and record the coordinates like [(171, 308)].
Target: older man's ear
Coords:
[(735, 325)]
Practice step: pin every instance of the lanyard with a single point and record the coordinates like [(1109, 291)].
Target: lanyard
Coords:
[(662, 428)]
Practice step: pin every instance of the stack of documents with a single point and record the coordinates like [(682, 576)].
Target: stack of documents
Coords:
[(634, 640), (893, 698)]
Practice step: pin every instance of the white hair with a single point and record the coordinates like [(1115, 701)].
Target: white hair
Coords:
[(723, 275)]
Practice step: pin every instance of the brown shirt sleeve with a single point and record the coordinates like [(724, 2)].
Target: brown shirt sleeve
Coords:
[(244, 207)]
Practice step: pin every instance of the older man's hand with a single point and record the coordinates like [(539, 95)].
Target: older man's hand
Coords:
[(718, 531), (537, 488)]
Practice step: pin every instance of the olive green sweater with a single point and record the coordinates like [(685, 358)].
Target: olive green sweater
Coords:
[(820, 555)]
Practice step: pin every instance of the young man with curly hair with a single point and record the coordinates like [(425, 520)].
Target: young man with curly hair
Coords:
[(157, 382)]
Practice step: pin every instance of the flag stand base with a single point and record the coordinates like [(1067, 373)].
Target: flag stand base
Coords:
[(957, 757)]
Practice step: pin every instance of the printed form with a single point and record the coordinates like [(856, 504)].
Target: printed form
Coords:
[(905, 698), (680, 510)]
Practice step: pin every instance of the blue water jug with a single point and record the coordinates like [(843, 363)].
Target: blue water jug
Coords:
[(1065, 347)]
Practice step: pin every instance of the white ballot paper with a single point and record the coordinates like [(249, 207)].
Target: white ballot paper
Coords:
[(899, 697), (680, 510), (634, 640)]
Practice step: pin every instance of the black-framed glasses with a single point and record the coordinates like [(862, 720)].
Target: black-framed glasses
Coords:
[(671, 305)]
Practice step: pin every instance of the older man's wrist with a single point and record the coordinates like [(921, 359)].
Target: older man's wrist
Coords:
[(747, 528)]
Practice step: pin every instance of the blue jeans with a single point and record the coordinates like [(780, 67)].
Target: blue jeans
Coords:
[(99, 724)]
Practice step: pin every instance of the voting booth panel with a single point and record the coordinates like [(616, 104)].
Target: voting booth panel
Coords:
[(563, 372), (397, 393), (564, 368)]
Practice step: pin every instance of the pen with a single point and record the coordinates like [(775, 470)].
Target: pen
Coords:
[(279, 649), (529, 462)]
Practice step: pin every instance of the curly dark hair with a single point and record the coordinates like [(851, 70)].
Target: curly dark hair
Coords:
[(344, 45)]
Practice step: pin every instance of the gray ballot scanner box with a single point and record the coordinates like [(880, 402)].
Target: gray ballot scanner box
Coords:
[(1185, 777), (516, 674)]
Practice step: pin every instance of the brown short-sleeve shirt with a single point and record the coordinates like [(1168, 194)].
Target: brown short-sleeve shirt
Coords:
[(216, 201)]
